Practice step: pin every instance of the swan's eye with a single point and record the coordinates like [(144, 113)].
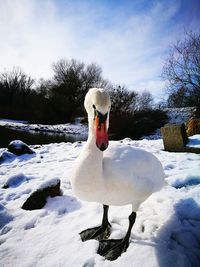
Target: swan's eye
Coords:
[(93, 106)]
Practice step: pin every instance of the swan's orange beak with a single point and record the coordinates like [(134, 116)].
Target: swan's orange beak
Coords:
[(101, 133)]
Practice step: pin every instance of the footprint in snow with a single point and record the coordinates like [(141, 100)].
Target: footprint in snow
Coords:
[(15, 181), (5, 230), (190, 181), (5, 217), (168, 167), (30, 225)]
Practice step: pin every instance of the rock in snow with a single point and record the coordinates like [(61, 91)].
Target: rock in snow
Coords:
[(38, 199), (19, 148)]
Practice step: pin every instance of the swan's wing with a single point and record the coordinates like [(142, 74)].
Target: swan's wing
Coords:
[(133, 166)]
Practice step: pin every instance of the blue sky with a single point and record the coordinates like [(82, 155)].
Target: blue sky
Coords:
[(128, 39)]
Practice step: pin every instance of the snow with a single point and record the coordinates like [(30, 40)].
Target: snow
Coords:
[(49, 183), (6, 155), (68, 128), (18, 144), (13, 121), (15, 180), (166, 232), (194, 141)]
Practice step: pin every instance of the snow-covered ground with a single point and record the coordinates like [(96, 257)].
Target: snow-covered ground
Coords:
[(194, 141), (166, 232), (67, 128)]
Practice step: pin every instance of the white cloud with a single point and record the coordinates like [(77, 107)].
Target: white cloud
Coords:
[(31, 39), (34, 34)]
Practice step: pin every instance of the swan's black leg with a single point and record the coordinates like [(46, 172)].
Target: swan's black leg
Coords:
[(111, 249), (99, 232)]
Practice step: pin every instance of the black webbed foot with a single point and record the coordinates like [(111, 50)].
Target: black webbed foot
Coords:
[(105, 245), (113, 248), (98, 233)]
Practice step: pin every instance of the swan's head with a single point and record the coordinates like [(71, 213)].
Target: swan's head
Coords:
[(97, 104)]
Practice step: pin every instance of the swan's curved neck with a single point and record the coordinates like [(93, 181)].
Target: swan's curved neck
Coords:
[(91, 141), (91, 159)]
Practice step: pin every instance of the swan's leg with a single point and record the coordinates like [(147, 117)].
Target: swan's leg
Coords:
[(99, 232), (111, 249)]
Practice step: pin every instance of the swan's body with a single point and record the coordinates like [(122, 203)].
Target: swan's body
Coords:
[(119, 175)]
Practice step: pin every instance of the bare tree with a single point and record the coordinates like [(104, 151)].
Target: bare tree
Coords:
[(43, 87), (123, 101), (87, 76), (16, 79), (182, 67), (66, 71), (14, 83), (182, 71), (15, 94), (178, 98), (72, 79), (145, 101)]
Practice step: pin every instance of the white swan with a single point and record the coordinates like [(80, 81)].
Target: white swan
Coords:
[(118, 175)]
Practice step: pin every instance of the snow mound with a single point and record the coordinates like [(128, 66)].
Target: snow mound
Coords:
[(15, 180), (19, 148), (6, 156), (17, 143), (5, 218), (194, 141)]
